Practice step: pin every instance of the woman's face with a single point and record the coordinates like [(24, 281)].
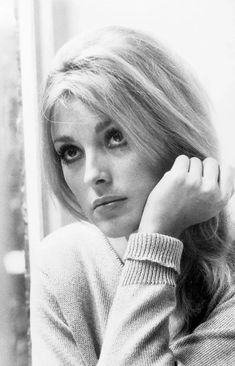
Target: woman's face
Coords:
[(109, 178)]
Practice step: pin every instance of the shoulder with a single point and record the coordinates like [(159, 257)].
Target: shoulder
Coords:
[(73, 262), (71, 233), (80, 232), (69, 248)]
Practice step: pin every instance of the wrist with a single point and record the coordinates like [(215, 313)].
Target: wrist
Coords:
[(164, 229)]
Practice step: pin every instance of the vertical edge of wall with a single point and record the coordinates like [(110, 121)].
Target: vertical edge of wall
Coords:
[(30, 121), (30, 115), (45, 50)]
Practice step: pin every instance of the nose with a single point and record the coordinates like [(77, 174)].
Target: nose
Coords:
[(97, 171)]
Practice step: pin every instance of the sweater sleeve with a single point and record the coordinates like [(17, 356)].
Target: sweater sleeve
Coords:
[(137, 331)]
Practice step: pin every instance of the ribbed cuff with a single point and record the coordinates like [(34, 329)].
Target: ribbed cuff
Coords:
[(143, 272), (144, 251)]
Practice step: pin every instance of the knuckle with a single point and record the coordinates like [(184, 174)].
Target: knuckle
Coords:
[(210, 160), (179, 178), (210, 187), (182, 157), (195, 159), (193, 182)]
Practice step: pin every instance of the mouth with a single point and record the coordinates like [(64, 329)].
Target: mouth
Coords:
[(108, 200)]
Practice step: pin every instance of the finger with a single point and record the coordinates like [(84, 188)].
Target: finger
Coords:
[(181, 164), (195, 170), (211, 171), (226, 182)]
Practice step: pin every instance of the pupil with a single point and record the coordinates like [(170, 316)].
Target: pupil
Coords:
[(117, 136), (71, 152)]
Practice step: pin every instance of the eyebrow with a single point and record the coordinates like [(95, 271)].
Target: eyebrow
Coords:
[(102, 125), (98, 128), (65, 139)]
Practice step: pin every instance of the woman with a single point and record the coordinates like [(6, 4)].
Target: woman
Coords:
[(145, 275)]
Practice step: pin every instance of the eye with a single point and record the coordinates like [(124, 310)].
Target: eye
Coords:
[(114, 138), (69, 153)]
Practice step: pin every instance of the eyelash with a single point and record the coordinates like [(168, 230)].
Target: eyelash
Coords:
[(64, 149), (109, 134)]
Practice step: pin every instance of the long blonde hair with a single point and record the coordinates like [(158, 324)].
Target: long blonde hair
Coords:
[(134, 79)]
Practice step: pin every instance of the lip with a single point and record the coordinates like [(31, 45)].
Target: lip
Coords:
[(107, 199)]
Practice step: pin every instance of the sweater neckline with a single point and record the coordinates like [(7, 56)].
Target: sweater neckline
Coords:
[(111, 249)]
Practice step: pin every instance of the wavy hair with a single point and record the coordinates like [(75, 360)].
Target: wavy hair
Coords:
[(135, 80)]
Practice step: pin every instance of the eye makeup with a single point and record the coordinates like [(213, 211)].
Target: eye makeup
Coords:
[(69, 153), (113, 138)]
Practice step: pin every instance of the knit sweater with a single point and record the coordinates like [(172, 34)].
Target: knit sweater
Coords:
[(89, 307)]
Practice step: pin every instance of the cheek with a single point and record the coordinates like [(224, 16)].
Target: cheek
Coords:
[(145, 176), (139, 181), (143, 186), (73, 181)]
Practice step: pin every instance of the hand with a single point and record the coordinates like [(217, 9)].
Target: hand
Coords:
[(193, 191)]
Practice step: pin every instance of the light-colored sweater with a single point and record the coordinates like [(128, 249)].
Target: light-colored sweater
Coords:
[(90, 308)]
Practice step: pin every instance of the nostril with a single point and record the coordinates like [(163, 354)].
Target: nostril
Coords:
[(100, 181)]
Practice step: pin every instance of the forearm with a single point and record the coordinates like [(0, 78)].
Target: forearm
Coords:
[(138, 327)]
